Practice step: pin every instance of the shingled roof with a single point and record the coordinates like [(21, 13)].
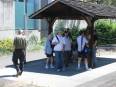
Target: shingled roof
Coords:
[(74, 8)]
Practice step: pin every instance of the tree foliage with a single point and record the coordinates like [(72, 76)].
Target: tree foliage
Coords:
[(106, 30)]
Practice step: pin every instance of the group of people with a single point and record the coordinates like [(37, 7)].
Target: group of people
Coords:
[(61, 46)]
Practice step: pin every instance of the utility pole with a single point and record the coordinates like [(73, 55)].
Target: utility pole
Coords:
[(25, 16)]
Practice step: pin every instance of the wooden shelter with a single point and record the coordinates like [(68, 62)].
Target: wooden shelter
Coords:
[(75, 10)]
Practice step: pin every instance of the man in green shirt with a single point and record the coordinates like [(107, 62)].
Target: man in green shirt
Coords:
[(19, 52)]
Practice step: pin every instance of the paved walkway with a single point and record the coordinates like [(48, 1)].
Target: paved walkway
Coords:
[(104, 81), (10, 83), (52, 80), (35, 75)]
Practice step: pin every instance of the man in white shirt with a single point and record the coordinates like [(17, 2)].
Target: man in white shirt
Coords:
[(81, 43), (59, 42)]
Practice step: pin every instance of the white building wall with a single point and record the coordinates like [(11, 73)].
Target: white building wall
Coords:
[(7, 18), (1, 14)]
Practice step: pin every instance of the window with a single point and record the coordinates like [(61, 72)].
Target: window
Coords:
[(21, 0)]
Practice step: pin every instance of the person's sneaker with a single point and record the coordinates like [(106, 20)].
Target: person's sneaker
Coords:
[(51, 66), (20, 73), (63, 69), (46, 67), (88, 69), (17, 74), (58, 70), (25, 62)]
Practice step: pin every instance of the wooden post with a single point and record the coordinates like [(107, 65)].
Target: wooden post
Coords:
[(91, 43), (90, 22), (50, 24)]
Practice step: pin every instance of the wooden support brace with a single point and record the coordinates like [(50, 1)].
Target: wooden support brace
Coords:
[(50, 24)]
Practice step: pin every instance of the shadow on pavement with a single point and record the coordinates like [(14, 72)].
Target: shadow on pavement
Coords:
[(38, 66), (104, 61), (7, 76)]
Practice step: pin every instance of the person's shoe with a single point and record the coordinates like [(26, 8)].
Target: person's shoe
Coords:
[(46, 67), (58, 70), (63, 69), (20, 73), (88, 69), (24, 62), (17, 74), (51, 66)]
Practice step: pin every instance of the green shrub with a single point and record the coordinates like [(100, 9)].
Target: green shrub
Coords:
[(74, 33), (33, 43), (6, 46), (106, 30), (34, 47)]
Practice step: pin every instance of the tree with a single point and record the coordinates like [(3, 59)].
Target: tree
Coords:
[(113, 2), (60, 25)]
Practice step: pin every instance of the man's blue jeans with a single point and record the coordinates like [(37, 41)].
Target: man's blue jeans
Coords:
[(59, 59)]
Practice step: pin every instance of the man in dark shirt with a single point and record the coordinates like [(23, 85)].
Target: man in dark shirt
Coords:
[(19, 52)]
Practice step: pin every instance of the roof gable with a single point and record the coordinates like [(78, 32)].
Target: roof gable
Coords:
[(86, 8)]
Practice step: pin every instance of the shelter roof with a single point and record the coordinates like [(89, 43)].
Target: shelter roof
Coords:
[(67, 9)]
